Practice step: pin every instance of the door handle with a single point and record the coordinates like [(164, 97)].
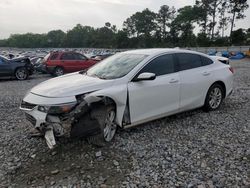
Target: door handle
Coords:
[(173, 81), (206, 73)]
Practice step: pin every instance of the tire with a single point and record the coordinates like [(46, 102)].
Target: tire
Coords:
[(214, 98), (58, 71), (105, 116), (21, 73)]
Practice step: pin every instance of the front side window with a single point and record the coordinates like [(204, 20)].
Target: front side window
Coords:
[(116, 66), (188, 61), (80, 57), (160, 65), (1, 61)]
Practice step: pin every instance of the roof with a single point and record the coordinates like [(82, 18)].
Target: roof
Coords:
[(155, 51)]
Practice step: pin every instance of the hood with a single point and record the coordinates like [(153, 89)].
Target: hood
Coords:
[(70, 85), (20, 60)]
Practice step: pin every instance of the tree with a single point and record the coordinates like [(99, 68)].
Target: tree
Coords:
[(202, 9), (55, 38), (164, 18), (183, 26), (141, 23), (223, 19), (122, 40), (105, 36), (236, 8), (238, 37), (79, 36), (214, 4)]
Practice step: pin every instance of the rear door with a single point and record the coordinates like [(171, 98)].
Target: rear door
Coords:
[(5, 68), (195, 79), (154, 98)]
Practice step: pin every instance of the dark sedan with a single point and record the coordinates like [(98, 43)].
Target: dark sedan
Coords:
[(19, 68)]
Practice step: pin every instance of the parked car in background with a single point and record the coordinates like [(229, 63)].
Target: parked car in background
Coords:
[(39, 66), (59, 63), (19, 68), (125, 90)]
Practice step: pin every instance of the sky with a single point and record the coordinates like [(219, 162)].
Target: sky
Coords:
[(41, 16)]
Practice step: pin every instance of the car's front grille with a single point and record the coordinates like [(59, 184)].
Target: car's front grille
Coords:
[(27, 105), (31, 119)]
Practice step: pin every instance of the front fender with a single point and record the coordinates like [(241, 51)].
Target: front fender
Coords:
[(117, 93)]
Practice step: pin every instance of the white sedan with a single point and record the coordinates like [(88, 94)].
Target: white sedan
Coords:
[(125, 90)]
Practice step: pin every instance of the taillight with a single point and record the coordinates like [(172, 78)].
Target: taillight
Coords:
[(231, 69)]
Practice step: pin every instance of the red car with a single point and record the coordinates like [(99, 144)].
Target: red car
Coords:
[(58, 63)]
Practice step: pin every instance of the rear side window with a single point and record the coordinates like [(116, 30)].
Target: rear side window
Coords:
[(67, 56), (206, 61), (160, 65), (53, 56), (79, 57), (188, 61)]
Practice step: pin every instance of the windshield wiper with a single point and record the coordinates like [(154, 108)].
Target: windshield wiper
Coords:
[(92, 75)]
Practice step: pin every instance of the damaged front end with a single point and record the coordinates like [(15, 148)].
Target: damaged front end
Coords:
[(74, 119)]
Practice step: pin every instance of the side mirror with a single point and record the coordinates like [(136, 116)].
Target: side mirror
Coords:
[(145, 76)]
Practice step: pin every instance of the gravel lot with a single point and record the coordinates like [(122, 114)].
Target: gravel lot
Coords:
[(192, 149)]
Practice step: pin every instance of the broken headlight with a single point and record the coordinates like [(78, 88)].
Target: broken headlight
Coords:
[(44, 109), (60, 109)]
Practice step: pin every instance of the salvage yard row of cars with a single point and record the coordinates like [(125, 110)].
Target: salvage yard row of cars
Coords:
[(54, 63), (125, 90)]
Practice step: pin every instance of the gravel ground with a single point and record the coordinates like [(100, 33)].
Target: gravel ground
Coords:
[(192, 149)]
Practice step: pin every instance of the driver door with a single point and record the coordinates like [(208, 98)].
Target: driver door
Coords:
[(152, 99)]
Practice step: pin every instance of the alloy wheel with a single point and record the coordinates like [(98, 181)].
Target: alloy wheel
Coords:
[(21, 74), (215, 98), (109, 126)]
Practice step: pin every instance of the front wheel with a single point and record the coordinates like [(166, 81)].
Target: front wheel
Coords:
[(106, 116), (21, 73), (110, 126), (214, 98)]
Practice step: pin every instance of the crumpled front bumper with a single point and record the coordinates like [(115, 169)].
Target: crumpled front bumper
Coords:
[(46, 124), (78, 122), (38, 120), (34, 116)]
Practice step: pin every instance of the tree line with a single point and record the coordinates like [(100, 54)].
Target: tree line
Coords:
[(166, 28)]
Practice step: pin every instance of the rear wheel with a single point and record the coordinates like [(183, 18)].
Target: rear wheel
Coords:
[(21, 73), (214, 97), (58, 71)]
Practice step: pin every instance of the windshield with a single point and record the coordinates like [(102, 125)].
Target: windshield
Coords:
[(116, 66)]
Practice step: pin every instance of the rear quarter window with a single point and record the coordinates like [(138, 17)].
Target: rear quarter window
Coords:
[(206, 61)]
